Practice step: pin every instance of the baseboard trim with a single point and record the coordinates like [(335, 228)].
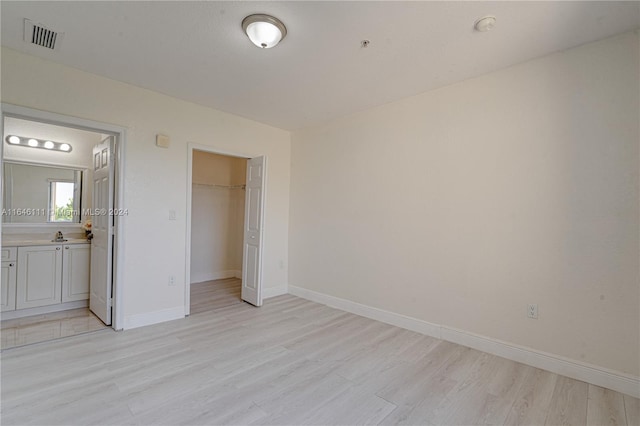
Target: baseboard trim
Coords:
[(149, 318), (218, 275), (595, 375), (381, 315), (546, 361), (274, 291)]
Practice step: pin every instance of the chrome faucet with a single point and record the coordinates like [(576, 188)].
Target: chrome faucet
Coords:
[(59, 237)]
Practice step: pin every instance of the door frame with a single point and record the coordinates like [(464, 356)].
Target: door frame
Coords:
[(120, 133), (229, 153)]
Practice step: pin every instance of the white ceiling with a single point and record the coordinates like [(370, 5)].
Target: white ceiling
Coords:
[(197, 51)]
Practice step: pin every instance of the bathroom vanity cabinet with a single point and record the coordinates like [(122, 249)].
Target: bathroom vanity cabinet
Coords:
[(45, 275)]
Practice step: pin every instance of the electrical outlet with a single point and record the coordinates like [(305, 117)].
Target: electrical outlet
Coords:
[(172, 215), (532, 311), (172, 280)]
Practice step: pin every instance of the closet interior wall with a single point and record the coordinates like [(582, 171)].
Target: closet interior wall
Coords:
[(217, 216)]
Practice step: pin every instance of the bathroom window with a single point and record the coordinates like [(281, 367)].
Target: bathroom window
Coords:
[(62, 207)]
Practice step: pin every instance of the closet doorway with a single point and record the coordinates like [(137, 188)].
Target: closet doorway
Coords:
[(224, 229)]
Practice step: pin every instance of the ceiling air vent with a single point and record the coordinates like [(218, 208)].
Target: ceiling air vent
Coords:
[(42, 36)]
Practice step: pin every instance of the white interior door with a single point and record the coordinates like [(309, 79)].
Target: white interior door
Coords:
[(253, 224), (102, 229)]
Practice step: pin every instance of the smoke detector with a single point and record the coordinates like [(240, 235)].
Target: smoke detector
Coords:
[(39, 35)]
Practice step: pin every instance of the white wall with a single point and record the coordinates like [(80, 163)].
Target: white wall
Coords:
[(156, 178), (462, 205), (217, 216)]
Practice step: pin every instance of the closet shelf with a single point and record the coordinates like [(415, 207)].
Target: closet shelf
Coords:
[(214, 185)]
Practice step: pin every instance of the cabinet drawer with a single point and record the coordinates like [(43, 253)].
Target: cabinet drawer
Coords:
[(9, 253)]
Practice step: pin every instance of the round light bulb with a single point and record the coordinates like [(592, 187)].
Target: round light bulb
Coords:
[(48, 145), (65, 147), (14, 140), (264, 34), (33, 142)]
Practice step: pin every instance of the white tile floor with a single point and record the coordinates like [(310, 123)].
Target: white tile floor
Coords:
[(45, 327)]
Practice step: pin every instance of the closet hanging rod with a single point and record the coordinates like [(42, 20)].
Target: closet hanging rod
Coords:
[(215, 185)]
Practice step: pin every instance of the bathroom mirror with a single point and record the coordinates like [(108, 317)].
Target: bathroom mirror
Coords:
[(41, 193)]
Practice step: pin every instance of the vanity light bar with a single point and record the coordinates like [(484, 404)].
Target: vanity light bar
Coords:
[(38, 143)]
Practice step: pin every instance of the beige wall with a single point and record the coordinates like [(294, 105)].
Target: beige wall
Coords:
[(210, 168), (217, 216), (462, 205), (156, 178)]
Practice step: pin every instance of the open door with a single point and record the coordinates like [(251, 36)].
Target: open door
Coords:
[(253, 224), (102, 229)]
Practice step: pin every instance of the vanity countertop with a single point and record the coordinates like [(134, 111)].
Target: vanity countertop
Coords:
[(24, 243)]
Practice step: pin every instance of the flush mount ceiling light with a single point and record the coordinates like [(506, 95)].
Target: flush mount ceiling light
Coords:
[(485, 24), (38, 143), (264, 31)]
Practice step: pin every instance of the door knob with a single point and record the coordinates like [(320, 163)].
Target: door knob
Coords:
[(57, 248), (66, 248)]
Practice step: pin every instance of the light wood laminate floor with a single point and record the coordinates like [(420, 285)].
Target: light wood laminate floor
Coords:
[(45, 327), (289, 362), (215, 294)]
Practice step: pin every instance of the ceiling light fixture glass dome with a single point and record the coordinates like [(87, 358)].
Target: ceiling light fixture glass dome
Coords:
[(264, 31), (14, 140)]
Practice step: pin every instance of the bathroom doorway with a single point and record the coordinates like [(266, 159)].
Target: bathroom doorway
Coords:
[(49, 141)]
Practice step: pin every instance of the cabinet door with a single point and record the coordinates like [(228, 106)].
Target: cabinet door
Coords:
[(8, 292), (76, 260), (39, 276)]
